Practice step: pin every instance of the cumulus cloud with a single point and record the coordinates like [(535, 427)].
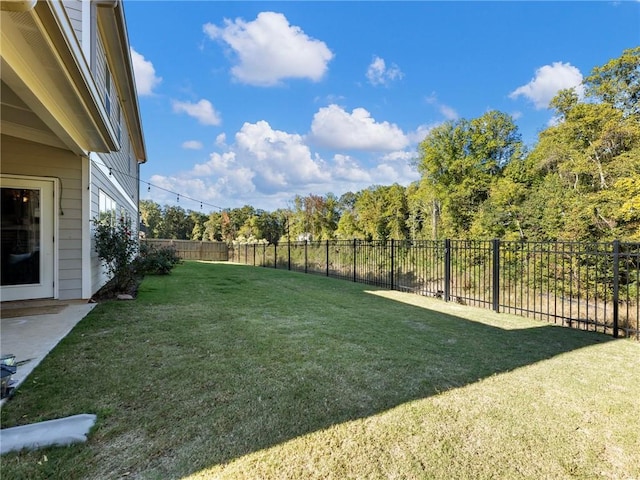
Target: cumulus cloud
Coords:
[(420, 133), (280, 159), (192, 145), (379, 74), (334, 127), (144, 73), (221, 140), (266, 167), (269, 49), (548, 81), (203, 111), (346, 168), (447, 112)]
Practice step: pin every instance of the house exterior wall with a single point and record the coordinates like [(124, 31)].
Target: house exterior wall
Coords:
[(80, 174), (21, 157), (123, 163), (74, 12), (114, 173)]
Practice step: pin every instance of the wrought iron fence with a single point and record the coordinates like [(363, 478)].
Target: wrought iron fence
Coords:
[(591, 286)]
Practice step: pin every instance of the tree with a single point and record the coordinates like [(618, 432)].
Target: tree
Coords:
[(198, 220), (176, 223), (589, 160), (618, 82), (151, 217), (213, 227), (459, 161)]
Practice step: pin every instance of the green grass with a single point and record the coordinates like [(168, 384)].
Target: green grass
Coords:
[(226, 371)]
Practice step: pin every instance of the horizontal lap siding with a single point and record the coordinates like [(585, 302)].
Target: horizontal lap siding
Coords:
[(74, 12), (20, 157)]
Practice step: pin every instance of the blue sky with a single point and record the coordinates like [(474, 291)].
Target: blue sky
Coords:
[(256, 102)]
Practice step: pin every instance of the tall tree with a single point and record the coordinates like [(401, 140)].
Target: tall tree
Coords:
[(151, 216), (459, 161), (618, 82)]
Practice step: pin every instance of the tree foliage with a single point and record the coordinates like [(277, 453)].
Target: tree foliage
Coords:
[(580, 181)]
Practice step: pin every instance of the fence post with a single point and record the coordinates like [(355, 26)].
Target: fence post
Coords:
[(354, 259), (392, 263), (447, 270), (306, 242), (275, 255), (616, 285), (327, 258), (288, 254), (264, 254), (496, 274), (254, 254)]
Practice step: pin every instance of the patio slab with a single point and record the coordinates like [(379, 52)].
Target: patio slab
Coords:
[(33, 334)]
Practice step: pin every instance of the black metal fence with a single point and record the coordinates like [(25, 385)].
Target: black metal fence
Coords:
[(591, 286)]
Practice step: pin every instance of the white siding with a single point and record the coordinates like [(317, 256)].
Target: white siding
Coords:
[(20, 157), (102, 181), (74, 12), (123, 163)]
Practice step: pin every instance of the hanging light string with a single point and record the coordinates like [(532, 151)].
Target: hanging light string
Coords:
[(149, 185)]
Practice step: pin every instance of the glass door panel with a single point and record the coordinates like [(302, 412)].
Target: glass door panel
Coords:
[(20, 236), (26, 238)]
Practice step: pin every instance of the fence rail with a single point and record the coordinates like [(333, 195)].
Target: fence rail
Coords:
[(591, 286), (193, 250)]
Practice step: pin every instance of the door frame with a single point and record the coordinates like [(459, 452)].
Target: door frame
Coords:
[(51, 206)]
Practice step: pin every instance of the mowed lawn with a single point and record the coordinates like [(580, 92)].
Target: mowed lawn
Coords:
[(227, 371)]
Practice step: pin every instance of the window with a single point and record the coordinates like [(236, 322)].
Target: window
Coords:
[(118, 122), (107, 207), (107, 89)]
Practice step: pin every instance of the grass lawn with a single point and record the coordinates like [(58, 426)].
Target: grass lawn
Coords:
[(227, 371)]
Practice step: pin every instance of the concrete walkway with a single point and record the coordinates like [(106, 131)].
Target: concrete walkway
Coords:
[(30, 338)]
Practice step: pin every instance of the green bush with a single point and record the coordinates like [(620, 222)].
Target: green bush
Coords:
[(117, 247), (156, 261)]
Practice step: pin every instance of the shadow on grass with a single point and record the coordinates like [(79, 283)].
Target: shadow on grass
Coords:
[(234, 359)]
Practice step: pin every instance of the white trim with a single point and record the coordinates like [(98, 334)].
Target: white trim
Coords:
[(55, 183), (97, 161), (56, 235), (86, 228)]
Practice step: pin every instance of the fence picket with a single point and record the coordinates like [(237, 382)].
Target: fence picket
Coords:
[(592, 286)]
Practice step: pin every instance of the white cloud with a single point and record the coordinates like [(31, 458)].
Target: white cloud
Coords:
[(420, 133), (347, 169), (203, 111), (280, 159), (379, 74), (266, 168), (548, 81), (447, 112), (144, 73), (333, 127), (192, 145), (269, 50), (221, 140)]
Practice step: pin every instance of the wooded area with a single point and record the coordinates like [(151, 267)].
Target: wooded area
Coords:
[(579, 182)]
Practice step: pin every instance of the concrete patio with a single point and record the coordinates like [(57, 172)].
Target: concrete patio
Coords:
[(31, 329)]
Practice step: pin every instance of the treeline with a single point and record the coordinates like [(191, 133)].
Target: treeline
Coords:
[(581, 181)]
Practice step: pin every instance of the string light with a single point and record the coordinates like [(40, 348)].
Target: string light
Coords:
[(149, 185)]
